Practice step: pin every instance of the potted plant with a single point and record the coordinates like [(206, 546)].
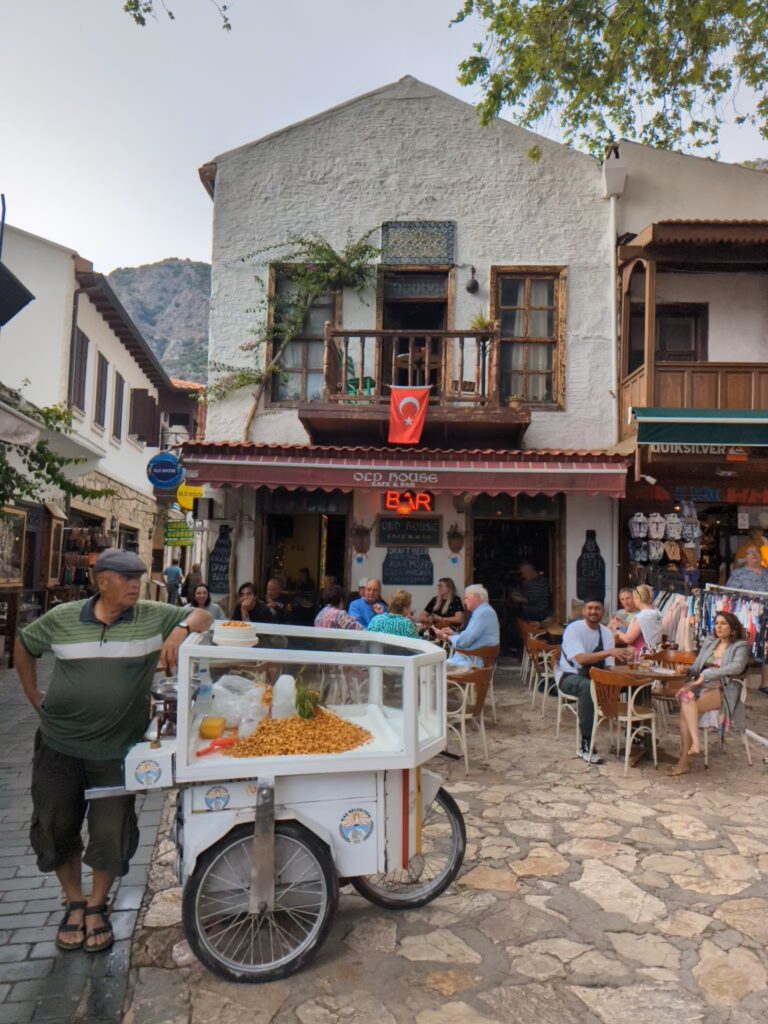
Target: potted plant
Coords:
[(455, 538), (360, 535), (515, 401), (483, 323)]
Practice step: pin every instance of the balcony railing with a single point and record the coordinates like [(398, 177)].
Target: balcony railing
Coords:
[(462, 367), (695, 386)]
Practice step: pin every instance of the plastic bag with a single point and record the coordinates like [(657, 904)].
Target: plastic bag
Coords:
[(235, 698)]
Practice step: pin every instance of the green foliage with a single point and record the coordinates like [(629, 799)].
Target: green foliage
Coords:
[(660, 71), (27, 471), (314, 268), (140, 10)]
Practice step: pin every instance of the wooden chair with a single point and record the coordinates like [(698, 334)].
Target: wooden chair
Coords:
[(543, 657), (466, 699), (631, 716), (525, 630), (665, 702), (489, 656)]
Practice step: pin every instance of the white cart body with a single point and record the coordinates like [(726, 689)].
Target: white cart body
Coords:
[(366, 804)]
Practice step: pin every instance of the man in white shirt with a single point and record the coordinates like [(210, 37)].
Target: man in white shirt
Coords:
[(586, 644)]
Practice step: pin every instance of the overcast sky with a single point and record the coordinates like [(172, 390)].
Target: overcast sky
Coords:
[(103, 125)]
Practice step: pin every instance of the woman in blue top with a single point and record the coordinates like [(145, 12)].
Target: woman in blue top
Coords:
[(397, 621)]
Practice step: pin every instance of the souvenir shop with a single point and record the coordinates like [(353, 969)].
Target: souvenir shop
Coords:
[(693, 506)]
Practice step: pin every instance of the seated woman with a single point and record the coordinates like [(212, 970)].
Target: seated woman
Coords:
[(721, 658), (446, 608), (201, 598), (645, 629), (397, 620), (333, 614)]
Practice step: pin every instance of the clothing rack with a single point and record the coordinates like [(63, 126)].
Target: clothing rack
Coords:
[(749, 606), (676, 617)]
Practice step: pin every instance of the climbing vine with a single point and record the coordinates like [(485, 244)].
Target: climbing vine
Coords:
[(314, 268)]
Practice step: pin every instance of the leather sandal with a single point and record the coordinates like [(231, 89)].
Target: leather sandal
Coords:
[(65, 928), (106, 929)]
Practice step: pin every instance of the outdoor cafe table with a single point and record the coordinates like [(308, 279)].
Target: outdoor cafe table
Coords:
[(633, 679)]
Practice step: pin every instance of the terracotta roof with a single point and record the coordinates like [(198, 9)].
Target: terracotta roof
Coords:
[(187, 385), (415, 454), (703, 232)]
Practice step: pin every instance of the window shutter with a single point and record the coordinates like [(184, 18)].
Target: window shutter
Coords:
[(78, 367), (152, 438), (139, 397), (117, 414)]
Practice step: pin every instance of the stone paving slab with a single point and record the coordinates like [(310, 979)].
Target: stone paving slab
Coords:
[(38, 982), (585, 898)]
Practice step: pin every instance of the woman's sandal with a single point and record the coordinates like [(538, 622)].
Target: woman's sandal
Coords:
[(65, 928), (106, 929)]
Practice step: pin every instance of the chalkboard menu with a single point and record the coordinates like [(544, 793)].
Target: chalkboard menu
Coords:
[(403, 530), (408, 566), (218, 562)]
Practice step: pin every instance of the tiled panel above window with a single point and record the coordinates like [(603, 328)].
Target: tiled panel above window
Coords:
[(418, 242)]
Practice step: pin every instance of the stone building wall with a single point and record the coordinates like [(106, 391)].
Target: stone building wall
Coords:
[(130, 507)]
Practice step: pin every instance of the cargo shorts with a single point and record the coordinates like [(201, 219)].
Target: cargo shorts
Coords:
[(59, 808)]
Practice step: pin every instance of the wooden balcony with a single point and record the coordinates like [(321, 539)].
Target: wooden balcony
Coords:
[(462, 367), (694, 386)]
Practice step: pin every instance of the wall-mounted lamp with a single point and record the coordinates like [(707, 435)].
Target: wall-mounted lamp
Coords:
[(113, 523), (473, 284), (648, 479)]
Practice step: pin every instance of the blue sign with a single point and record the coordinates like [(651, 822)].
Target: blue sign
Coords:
[(165, 471)]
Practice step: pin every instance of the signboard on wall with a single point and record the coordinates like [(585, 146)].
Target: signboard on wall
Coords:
[(218, 562), (402, 531), (408, 567), (178, 535)]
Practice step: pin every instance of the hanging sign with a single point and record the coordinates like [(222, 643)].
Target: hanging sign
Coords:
[(164, 471), (177, 534), (186, 494)]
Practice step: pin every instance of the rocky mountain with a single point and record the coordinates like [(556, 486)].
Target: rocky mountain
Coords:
[(168, 301)]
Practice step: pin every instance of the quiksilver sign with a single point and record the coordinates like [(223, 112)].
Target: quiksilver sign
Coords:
[(690, 449)]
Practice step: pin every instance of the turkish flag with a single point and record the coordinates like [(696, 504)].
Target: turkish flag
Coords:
[(407, 412)]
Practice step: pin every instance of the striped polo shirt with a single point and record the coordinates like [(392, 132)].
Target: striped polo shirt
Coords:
[(97, 704)]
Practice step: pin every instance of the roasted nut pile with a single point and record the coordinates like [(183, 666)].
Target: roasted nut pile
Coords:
[(326, 733)]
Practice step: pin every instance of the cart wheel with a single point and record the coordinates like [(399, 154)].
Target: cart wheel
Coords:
[(443, 842), (240, 946)]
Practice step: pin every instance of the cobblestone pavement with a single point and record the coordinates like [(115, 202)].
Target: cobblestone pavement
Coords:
[(585, 898), (37, 981)]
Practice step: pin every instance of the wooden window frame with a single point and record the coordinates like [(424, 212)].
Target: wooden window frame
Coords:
[(78, 370), (118, 407), (102, 391), (275, 270), (697, 310), (560, 275)]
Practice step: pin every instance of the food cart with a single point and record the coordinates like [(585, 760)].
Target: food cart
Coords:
[(266, 832)]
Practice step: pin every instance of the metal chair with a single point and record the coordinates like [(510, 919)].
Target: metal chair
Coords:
[(636, 720), (543, 657), (466, 699), (488, 656)]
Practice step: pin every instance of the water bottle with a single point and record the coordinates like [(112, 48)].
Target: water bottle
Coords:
[(204, 697)]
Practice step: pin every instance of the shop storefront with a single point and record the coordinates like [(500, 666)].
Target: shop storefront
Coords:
[(406, 517), (697, 493)]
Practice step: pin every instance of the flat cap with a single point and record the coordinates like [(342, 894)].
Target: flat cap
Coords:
[(116, 560)]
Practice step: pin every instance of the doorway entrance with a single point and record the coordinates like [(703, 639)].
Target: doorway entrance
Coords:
[(415, 303), (500, 544)]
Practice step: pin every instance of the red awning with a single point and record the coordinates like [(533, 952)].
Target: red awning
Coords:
[(325, 468)]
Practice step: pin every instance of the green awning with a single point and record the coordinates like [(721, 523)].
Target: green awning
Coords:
[(743, 428)]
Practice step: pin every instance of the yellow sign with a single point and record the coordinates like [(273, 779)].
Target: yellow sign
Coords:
[(186, 494)]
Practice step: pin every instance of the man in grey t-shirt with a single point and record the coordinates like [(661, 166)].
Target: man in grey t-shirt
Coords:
[(586, 644)]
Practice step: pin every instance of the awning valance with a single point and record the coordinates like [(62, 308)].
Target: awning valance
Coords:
[(318, 467), (703, 428)]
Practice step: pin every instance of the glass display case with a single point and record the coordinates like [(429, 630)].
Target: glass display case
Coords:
[(234, 702)]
